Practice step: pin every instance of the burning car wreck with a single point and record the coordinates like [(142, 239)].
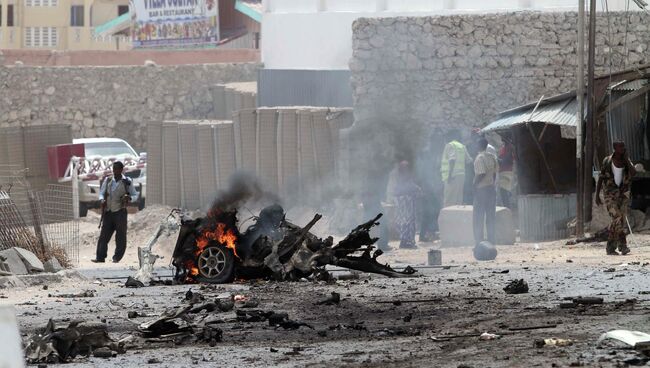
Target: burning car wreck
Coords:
[(213, 250)]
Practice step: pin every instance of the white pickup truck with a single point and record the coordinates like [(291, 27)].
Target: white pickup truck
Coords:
[(114, 149)]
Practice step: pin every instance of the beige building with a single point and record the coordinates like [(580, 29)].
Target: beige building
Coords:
[(62, 24)]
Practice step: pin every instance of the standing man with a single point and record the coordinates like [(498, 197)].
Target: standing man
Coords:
[(485, 195), (615, 177), (114, 194), (452, 169)]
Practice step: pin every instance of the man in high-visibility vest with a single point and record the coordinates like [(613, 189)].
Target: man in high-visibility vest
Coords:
[(452, 169)]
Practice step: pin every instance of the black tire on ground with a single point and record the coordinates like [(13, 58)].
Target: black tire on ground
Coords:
[(83, 210), (141, 204), (216, 264)]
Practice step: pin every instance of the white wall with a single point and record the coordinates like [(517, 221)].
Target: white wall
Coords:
[(317, 34)]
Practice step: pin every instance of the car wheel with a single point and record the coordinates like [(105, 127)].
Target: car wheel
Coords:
[(140, 204), (83, 210), (216, 264)]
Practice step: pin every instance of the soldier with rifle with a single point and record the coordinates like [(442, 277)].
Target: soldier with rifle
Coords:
[(615, 181), (115, 194)]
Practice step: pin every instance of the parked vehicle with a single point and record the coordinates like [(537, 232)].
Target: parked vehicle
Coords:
[(104, 151)]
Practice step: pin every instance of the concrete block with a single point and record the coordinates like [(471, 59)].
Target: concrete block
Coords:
[(456, 230), (52, 265), (32, 263), (13, 260)]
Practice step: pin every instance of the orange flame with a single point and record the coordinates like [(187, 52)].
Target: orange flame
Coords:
[(221, 236)]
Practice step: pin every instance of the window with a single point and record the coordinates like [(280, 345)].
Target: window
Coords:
[(41, 36), (109, 149), (77, 16), (10, 15), (122, 9), (41, 2)]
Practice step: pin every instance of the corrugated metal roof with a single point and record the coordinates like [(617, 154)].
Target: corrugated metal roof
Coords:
[(558, 110), (632, 85)]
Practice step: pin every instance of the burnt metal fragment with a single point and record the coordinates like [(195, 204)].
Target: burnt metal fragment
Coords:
[(519, 286)]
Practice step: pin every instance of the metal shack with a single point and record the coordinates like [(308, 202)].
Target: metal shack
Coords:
[(545, 148), (544, 136)]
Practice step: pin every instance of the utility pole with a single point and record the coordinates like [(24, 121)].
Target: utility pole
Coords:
[(591, 114), (580, 94)]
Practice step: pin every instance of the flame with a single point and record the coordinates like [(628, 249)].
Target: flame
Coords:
[(221, 235)]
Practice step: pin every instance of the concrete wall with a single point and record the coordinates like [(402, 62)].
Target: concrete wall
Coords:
[(462, 70), (317, 34), (132, 57), (112, 101)]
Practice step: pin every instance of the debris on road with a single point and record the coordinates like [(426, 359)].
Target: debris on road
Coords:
[(335, 298), (636, 339), (83, 294), (489, 336), (516, 287), (540, 343), (133, 283), (62, 344)]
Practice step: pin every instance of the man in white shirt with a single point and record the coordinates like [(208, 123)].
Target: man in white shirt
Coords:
[(115, 194), (485, 195)]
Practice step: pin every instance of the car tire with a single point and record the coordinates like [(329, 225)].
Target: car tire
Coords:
[(216, 264), (83, 210), (141, 204)]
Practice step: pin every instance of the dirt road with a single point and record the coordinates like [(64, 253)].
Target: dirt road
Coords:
[(384, 322)]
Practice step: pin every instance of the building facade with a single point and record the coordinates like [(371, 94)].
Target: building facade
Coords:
[(105, 24), (60, 24)]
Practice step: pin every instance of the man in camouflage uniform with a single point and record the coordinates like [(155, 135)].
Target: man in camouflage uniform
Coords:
[(615, 178)]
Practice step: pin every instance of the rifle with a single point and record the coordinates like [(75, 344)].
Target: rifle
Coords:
[(103, 207), (101, 219)]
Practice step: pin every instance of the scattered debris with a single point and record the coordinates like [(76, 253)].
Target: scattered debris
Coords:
[(516, 287), (356, 326), (488, 336), (83, 294), (104, 352), (587, 300), (400, 302), (528, 328), (62, 344), (184, 324), (275, 319), (636, 339), (133, 283), (577, 301), (335, 298), (146, 257), (540, 343), (598, 236)]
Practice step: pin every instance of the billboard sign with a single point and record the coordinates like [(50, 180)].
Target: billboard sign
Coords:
[(174, 23)]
